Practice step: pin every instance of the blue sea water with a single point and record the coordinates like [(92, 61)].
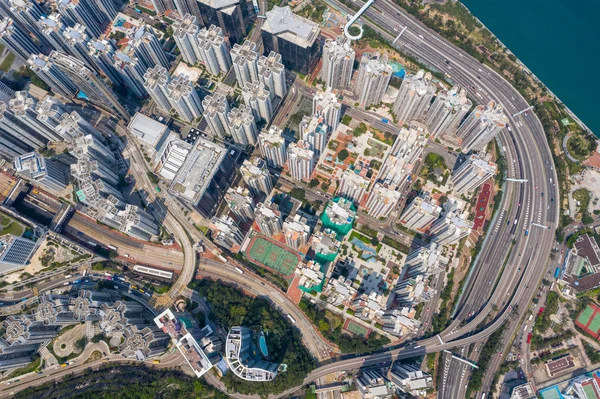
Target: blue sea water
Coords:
[(558, 40)]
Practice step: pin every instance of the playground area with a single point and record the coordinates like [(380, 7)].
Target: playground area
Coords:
[(272, 255)]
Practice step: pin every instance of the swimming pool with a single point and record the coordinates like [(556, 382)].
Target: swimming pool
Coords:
[(398, 69), (262, 342)]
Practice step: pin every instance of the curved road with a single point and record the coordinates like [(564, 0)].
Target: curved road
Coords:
[(527, 260)]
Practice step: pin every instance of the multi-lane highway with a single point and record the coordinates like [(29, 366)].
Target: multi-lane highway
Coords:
[(523, 202), (522, 258)]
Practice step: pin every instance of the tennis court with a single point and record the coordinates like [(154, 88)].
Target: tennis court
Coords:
[(272, 255), (585, 315), (356, 329), (595, 324), (589, 320)]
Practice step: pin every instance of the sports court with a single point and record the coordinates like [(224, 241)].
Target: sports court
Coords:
[(272, 255), (356, 329), (589, 320)]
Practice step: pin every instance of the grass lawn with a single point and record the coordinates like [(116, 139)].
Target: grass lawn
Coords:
[(145, 10), (365, 239), (10, 226), (7, 63), (583, 196), (33, 366)]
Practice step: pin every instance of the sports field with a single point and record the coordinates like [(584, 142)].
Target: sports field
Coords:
[(272, 255), (585, 315), (356, 329), (589, 320)]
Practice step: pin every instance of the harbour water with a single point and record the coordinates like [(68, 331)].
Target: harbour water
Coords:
[(558, 40)]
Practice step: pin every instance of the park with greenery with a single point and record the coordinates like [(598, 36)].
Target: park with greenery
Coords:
[(231, 307), (124, 381), (332, 330)]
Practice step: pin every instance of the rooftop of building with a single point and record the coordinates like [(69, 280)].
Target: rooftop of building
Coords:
[(21, 103), (300, 149), (242, 53), (340, 46), (15, 251), (492, 113), (266, 210), (272, 136), (198, 170), (220, 4), (223, 225), (425, 204), (324, 100), (6, 26), (51, 22), (254, 167), (420, 82), (180, 87), (186, 25), (29, 163), (270, 63), (75, 34), (147, 130), (211, 36), (256, 90), (156, 76), (244, 364), (238, 196), (240, 116), (351, 178), (375, 64), (483, 165), (386, 194), (100, 47), (283, 22), (456, 97), (215, 103)]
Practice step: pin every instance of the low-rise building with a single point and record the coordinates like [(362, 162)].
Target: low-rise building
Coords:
[(410, 379), (15, 252), (150, 134), (372, 385)]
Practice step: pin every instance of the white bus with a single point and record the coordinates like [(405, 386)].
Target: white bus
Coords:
[(240, 271), (291, 319)]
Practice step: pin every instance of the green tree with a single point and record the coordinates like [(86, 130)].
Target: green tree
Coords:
[(343, 154), (323, 326), (313, 182)]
